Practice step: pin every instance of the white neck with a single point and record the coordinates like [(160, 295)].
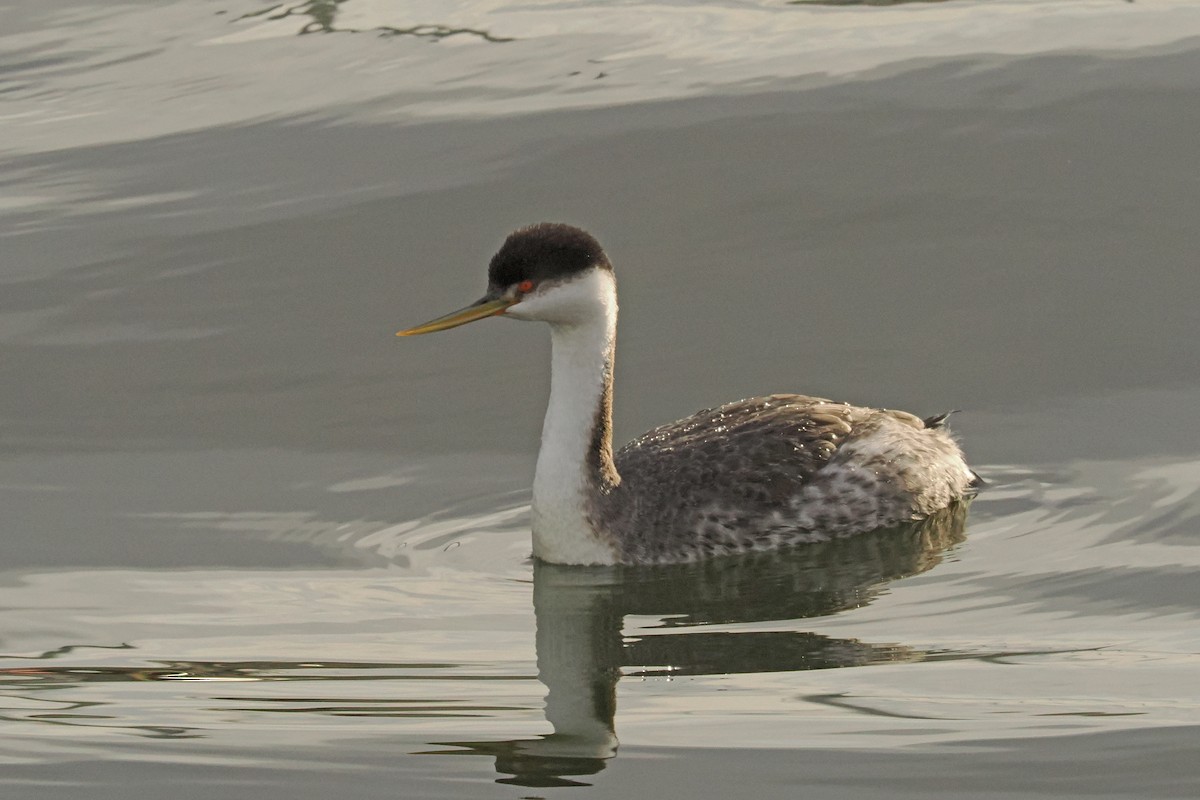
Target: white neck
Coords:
[(567, 470)]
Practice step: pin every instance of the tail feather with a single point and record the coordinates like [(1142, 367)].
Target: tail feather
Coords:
[(977, 481), (939, 420)]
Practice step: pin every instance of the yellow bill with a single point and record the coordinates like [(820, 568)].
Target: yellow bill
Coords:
[(479, 310)]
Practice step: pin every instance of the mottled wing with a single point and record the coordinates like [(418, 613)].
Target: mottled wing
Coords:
[(743, 461)]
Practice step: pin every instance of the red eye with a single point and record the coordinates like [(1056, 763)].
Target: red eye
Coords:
[(525, 286)]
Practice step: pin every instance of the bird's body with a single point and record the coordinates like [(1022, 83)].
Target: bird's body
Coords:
[(783, 469), (749, 475)]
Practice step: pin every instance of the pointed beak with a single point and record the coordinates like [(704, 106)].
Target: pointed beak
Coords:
[(486, 307)]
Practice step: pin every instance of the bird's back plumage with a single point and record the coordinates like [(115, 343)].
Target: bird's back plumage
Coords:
[(769, 471)]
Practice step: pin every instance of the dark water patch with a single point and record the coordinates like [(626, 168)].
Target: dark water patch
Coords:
[(47, 677), (783, 651), (67, 649), (323, 15), (20, 62)]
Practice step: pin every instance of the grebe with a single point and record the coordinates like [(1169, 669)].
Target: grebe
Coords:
[(749, 475)]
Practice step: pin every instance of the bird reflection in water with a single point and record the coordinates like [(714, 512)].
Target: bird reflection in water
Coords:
[(581, 653)]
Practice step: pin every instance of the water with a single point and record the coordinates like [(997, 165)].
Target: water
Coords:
[(252, 543)]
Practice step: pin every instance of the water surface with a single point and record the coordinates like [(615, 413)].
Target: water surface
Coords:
[(251, 542)]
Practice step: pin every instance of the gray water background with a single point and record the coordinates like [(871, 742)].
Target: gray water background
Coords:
[(251, 542)]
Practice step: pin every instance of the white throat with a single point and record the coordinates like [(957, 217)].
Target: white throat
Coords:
[(582, 351)]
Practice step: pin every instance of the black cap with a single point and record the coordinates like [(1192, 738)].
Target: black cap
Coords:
[(547, 251)]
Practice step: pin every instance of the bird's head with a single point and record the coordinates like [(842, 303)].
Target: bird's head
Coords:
[(549, 272)]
